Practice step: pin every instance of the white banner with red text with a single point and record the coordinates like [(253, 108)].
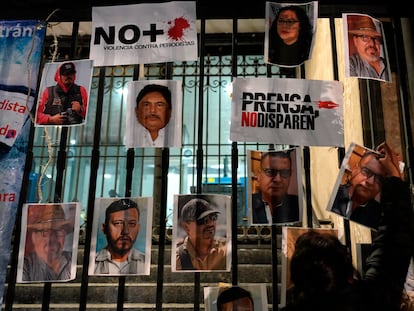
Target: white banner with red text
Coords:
[(144, 33), (287, 111)]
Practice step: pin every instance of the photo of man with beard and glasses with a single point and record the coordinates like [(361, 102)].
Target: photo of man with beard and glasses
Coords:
[(201, 233), (154, 114), (365, 47), (125, 226), (357, 193), (49, 242)]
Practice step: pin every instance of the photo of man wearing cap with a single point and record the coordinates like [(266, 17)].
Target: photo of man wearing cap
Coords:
[(49, 246), (201, 233), (65, 102), (153, 117), (366, 48)]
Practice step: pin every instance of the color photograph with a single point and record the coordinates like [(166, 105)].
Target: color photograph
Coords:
[(201, 233), (121, 236), (274, 184)]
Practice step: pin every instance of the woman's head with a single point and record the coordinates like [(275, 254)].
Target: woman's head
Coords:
[(292, 24), (320, 264)]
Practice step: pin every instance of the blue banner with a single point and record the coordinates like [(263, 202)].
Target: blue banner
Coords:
[(21, 46)]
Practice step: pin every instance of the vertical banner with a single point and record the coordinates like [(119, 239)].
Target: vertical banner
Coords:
[(20, 55), (287, 111), (144, 33)]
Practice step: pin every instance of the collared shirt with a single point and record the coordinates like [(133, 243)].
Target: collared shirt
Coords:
[(104, 264), (215, 260), (358, 67), (35, 269), (144, 139)]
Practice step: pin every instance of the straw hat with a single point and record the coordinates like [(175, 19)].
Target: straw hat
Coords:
[(364, 25), (50, 216)]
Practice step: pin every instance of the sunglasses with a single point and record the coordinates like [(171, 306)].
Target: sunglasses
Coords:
[(205, 220), (365, 171), (271, 172)]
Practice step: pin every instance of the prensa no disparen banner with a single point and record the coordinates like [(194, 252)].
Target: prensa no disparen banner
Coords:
[(287, 111), (144, 33)]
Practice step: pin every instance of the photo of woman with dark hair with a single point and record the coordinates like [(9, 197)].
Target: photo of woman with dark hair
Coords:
[(290, 37)]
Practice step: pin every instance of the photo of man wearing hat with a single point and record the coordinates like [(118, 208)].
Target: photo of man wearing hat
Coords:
[(201, 233), (66, 102), (51, 239), (367, 55)]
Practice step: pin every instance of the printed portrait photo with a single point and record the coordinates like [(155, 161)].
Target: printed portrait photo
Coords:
[(121, 236), (248, 297), (153, 117), (289, 237), (289, 32), (365, 48), (48, 242), (357, 191), (274, 184), (64, 93), (201, 233)]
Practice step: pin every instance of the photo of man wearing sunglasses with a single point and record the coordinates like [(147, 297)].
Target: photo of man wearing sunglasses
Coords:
[(271, 201), (360, 181), (204, 240)]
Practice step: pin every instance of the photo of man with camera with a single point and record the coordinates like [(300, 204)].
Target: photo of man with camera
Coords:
[(64, 103)]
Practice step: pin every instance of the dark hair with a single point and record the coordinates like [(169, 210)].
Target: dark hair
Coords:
[(304, 39), (320, 264), (231, 294), (285, 154), (165, 91), (119, 205)]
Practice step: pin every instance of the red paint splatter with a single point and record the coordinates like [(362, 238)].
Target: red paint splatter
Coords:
[(176, 32), (327, 105)]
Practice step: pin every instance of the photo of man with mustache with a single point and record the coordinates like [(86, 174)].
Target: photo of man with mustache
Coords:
[(152, 119), (121, 228)]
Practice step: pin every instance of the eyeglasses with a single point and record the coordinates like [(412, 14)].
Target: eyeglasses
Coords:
[(368, 173), (287, 22), (48, 232), (271, 172), (205, 220), (366, 38)]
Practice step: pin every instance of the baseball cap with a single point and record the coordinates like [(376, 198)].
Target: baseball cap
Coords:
[(67, 68), (197, 209)]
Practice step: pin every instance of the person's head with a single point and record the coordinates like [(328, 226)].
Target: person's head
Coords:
[(198, 218), (292, 24), (48, 229), (121, 226), (274, 175), (153, 108), (366, 178), (320, 264), (235, 298), (366, 38), (67, 72)]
